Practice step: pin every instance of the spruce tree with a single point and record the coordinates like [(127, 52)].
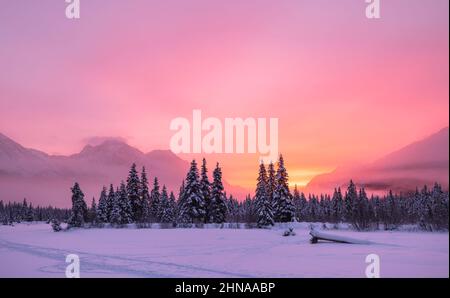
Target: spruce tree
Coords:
[(102, 210), (264, 213), (110, 203), (92, 213), (145, 196), (392, 212), (362, 216), (282, 198), (299, 204), (126, 211), (218, 208), (116, 209), (166, 212), (192, 207), (133, 192), (28, 214), (182, 216), (155, 201), (351, 197), (79, 213), (439, 208), (205, 189), (271, 181), (173, 207), (337, 205)]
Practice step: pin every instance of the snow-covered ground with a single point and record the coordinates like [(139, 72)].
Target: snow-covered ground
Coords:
[(34, 250)]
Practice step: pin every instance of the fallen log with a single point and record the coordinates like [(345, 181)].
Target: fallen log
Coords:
[(316, 236)]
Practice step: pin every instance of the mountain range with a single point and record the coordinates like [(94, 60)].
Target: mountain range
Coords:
[(46, 179), (422, 162)]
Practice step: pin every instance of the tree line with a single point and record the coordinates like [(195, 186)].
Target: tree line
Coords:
[(199, 201), (203, 200), (14, 212)]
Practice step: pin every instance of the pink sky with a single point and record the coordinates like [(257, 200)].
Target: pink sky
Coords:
[(345, 88)]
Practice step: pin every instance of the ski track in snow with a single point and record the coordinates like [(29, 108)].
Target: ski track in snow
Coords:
[(128, 265)]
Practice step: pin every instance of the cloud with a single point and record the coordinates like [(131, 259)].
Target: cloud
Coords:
[(97, 140)]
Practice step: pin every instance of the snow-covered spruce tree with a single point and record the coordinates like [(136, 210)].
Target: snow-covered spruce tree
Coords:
[(79, 213), (377, 208), (233, 214), (337, 206), (182, 217), (102, 210), (205, 189), (362, 214), (133, 192), (325, 206), (115, 217), (303, 215), (173, 207), (351, 196), (424, 209), (25, 213), (155, 201), (300, 204), (282, 198), (166, 212), (92, 212), (414, 211), (313, 208), (125, 205), (110, 202), (29, 213), (192, 207), (271, 181), (264, 213), (439, 208), (392, 219), (249, 210), (218, 207), (145, 196)]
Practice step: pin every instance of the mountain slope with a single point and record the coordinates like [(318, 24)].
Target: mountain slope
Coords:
[(46, 179), (422, 162)]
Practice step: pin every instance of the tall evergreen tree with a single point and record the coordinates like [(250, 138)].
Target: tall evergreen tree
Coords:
[(192, 203), (133, 192), (205, 189), (351, 197), (439, 208), (264, 211), (110, 202), (126, 211), (282, 198), (271, 181), (362, 214), (337, 206), (218, 207), (102, 210), (155, 202), (92, 213), (392, 212), (300, 205), (145, 196), (79, 208), (116, 207), (173, 207), (181, 215), (166, 212)]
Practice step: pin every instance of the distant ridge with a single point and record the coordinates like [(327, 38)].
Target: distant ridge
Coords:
[(45, 179), (419, 163)]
